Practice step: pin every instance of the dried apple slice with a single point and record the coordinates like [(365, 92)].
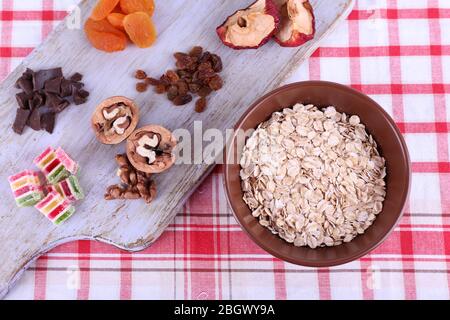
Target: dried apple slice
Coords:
[(297, 22), (250, 28)]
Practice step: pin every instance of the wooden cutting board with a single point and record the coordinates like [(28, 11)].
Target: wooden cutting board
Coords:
[(131, 225)]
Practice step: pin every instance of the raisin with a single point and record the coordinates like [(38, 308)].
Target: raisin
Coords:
[(164, 80), (194, 88), (205, 57), (205, 66), (192, 67), (184, 61), (172, 76), (183, 87), (141, 86), (182, 100), (206, 74), (216, 83), (196, 51), (152, 81), (160, 89), (140, 74), (204, 91), (183, 74), (216, 63), (172, 92), (180, 56), (195, 76), (171, 96), (200, 105)]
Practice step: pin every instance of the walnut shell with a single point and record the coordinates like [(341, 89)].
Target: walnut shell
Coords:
[(164, 158), (105, 130)]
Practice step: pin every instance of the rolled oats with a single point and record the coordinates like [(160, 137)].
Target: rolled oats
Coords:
[(314, 177)]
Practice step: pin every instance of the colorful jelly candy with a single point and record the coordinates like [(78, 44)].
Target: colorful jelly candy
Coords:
[(68, 163), (70, 189), (55, 208), (52, 166), (26, 188)]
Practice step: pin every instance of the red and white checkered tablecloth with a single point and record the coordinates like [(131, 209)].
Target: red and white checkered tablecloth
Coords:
[(398, 52)]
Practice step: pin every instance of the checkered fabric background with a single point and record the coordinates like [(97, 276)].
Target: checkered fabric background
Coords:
[(398, 52)]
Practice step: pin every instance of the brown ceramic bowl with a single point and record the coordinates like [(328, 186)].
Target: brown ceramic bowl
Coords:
[(391, 145)]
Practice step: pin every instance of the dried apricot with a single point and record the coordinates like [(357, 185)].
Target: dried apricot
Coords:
[(103, 8), (103, 36), (140, 28), (132, 6), (116, 19)]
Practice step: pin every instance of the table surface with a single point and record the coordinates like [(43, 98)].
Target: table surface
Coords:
[(396, 51)]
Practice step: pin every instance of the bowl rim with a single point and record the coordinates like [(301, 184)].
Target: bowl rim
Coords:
[(333, 262)]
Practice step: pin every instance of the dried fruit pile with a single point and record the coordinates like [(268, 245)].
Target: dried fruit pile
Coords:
[(112, 22), (196, 73), (44, 94), (290, 22)]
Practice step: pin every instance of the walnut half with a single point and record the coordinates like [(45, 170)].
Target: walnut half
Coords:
[(115, 119), (150, 149)]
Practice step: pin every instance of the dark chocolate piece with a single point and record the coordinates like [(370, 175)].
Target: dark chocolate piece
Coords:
[(76, 77), (78, 85), (31, 104), (66, 88), (22, 100), (26, 85), (34, 121), (80, 97), (48, 122), (22, 116), (53, 85), (38, 100), (79, 100), (52, 100), (28, 74), (83, 93), (40, 77)]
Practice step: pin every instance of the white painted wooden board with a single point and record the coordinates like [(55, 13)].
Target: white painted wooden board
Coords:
[(132, 225)]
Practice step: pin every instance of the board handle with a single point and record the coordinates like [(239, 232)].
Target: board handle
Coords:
[(19, 258)]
